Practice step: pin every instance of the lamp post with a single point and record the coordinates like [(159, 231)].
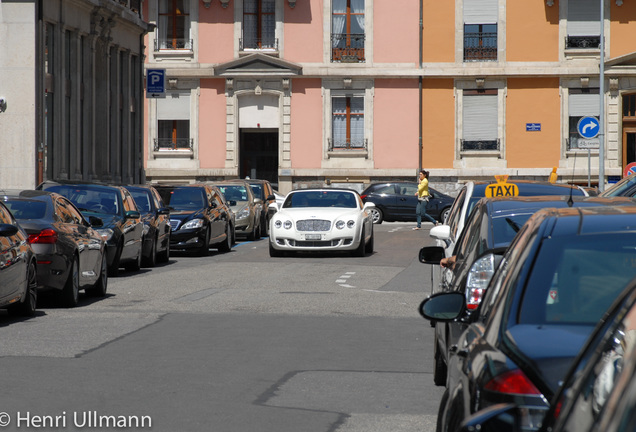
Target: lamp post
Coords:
[(601, 90)]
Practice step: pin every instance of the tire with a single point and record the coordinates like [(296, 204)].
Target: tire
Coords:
[(99, 289), (252, 235), (151, 260), (359, 251), (113, 269), (135, 265), (70, 292), (274, 253), (376, 215), (441, 412), (164, 256), (204, 250), (444, 215), (439, 369), (226, 245), (369, 247), (28, 306)]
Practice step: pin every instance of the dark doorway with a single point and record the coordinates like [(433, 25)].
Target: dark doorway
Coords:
[(258, 154), (629, 145)]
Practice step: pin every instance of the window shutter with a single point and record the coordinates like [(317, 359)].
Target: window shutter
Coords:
[(581, 105), (584, 18), (481, 11), (480, 117), (175, 106)]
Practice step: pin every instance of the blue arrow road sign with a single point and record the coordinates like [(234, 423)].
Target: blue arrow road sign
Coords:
[(588, 127), (156, 83)]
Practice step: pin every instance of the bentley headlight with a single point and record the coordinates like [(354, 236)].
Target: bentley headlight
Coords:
[(278, 224), (340, 224), (351, 224), (106, 233), (288, 224), (194, 223)]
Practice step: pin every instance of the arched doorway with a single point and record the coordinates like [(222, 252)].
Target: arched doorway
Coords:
[(629, 129)]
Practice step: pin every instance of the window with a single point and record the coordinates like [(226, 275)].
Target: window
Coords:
[(480, 113), (347, 123), (347, 31), (173, 122), (582, 103), (480, 30), (584, 30), (259, 25), (174, 25)]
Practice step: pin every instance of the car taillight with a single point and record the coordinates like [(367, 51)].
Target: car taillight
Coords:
[(512, 382), (363, 197), (47, 236), (478, 279)]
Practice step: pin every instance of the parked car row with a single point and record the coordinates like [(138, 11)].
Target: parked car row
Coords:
[(531, 278)]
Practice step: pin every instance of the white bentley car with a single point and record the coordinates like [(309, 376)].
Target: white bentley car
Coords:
[(322, 220)]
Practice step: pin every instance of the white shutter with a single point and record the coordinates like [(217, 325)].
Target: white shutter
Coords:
[(581, 105), (480, 117), (481, 11), (175, 106), (584, 18)]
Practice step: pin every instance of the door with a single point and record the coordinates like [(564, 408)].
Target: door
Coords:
[(629, 145), (258, 154)]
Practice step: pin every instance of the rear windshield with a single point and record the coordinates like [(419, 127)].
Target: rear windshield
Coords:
[(575, 279), (90, 198), (26, 209)]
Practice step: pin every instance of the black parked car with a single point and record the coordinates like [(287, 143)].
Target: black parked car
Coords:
[(492, 225), (18, 267), (199, 217), (557, 279), (156, 218), (71, 253), (625, 187), (122, 229), (396, 201), (599, 392)]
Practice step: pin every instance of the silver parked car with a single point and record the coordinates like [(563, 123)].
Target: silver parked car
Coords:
[(241, 199)]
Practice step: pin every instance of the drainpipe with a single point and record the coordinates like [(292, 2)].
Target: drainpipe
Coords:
[(421, 101)]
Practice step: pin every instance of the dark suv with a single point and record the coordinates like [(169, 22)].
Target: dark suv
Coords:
[(200, 218), (123, 227)]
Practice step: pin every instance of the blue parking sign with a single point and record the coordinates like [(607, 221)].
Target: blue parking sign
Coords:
[(155, 83)]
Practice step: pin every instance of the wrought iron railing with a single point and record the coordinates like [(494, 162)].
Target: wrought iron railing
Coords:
[(173, 44), (348, 145), (480, 145), (480, 46), (170, 144), (589, 42), (347, 48), (269, 43)]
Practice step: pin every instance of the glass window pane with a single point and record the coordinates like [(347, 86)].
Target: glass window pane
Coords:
[(339, 6)]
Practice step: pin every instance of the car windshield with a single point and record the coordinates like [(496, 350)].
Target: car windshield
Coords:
[(185, 198), (622, 188), (577, 278), (142, 199), (90, 198), (26, 209), (320, 199), (234, 192)]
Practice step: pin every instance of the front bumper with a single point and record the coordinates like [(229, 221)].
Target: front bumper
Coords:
[(187, 239)]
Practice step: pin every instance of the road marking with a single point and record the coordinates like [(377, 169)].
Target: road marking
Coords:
[(343, 278), (379, 291)]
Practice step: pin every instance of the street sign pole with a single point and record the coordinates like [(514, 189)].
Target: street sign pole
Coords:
[(601, 117)]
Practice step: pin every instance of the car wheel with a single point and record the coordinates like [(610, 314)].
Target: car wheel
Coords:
[(204, 250), (441, 412), (226, 245), (252, 235), (70, 292), (274, 253), (28, 306), (439, 369), (99, 289), (444, 215), (369, 247), (135, 265), (151, 260), (376, 215), (113, 269), (359, 251), (165, 255)]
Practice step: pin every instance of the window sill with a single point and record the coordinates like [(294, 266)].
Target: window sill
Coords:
[(184, 54), (348, 154), (269, 51), (173, 154), (480, 153)]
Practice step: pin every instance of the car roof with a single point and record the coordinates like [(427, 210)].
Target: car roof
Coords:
[(499, 204), (79, 184), (26, 193), (324, 190), (531, 187), (588, 220)]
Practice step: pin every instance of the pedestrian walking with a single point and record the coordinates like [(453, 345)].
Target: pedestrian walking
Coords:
[(423, 196)]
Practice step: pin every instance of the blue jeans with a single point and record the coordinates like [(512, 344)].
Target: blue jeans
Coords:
[(420, 211)]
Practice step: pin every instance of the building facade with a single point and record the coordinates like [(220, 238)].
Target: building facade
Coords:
[(313, 92), (72, 91)]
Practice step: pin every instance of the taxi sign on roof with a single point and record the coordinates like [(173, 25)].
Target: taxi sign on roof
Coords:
[(501, 188)]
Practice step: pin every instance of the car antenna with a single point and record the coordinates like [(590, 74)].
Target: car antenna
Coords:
[(570, 200)]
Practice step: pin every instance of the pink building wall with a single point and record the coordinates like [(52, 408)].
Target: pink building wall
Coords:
[(304, 23), (212, 127), (396, 32), (216, 36), (395, 123), (306, 120)]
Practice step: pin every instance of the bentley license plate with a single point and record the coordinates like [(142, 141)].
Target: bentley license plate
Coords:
[(312, 237)]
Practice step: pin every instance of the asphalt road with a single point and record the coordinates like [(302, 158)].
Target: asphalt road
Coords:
[(235, 342)]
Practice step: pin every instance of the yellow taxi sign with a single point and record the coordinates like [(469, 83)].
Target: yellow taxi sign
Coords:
[(501, 188)]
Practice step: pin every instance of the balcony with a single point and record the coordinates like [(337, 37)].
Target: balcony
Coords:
[(258, 44), (583, 42), (347, 48), (480, 46), (173, 44), (481, 145), (169, 144)]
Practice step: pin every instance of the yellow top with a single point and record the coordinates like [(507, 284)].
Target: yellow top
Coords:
[(422, 188)]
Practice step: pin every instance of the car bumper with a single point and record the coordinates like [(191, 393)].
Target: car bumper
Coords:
[(187, 239)]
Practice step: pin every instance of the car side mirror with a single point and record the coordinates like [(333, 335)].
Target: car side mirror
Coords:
[(232, 203), (431, 254), (368, 205), (440, 232), (431, 194), (496, 418), (270, 198), (7, 230), (164, 211), (446, 306), (257, 201), (95, 222), (132, 214)]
